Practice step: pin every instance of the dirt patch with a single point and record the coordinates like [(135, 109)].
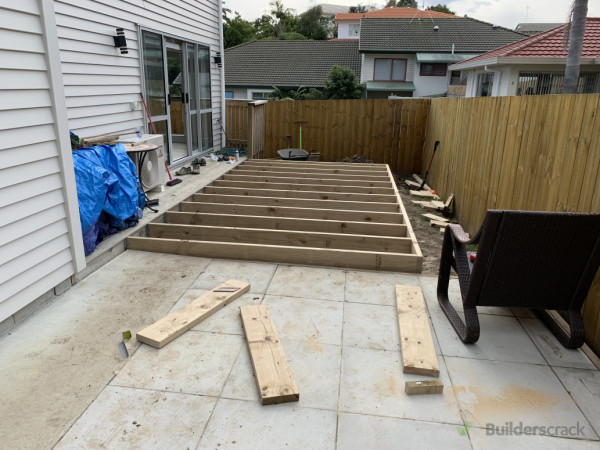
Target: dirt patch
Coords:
[(429, 238)]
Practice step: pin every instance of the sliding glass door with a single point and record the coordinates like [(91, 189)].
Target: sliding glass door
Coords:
[(178, 91)]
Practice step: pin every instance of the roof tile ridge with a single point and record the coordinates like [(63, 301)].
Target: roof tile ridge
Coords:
[(533, 39)]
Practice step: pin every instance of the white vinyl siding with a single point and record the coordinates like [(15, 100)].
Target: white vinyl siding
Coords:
[(39, 237), (100, 82)]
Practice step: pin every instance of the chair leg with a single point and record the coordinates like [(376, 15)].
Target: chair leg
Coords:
[(468, 333), (576, 338)]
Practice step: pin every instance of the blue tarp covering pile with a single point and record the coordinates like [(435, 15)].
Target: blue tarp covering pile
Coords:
[(108, 191)]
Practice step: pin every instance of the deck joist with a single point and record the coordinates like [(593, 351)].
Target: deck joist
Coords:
[(312, 213)]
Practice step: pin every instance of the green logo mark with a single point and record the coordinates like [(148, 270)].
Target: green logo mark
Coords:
[(464, 430)]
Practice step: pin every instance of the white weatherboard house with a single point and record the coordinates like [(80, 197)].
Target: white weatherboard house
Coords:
[(60, 70)]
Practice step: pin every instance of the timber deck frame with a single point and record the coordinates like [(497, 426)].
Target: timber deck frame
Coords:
[(344, 215)]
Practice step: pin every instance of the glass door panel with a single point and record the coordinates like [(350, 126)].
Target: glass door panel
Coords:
[(206, 130), (192, 83), (176, 86)]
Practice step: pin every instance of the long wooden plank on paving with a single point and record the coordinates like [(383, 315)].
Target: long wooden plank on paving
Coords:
[(296, 202), (316, 164), (273, 375), (304, 187), (295, 168), (341, 196), (350, 259), (281, 237), (409, 229), (285, 211), (286, 223), (290, 173), (265, 178), (163, 331), (418, 351)]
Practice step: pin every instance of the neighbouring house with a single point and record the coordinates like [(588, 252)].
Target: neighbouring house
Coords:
[(533, 66), (348, 24), (531, 28), (253, 68), (410, 57), (81, 65)]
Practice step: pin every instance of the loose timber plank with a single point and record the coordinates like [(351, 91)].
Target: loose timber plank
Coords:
[(273, 375), (296, 169), (438, 223), (296, 202), (285, 223), (280, 237), (286, 211), (316, 164), (424, 387), (418, 352), (434, 217), (341, 196), (305, 187), (397, 262), (423, 194), (264, 178), (173, 325), (420, 181), (241, 170)]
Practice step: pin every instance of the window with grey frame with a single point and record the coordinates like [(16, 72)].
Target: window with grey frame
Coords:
[(485, 84), (542, 83)]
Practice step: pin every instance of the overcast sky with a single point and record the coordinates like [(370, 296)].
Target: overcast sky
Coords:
[(507, 13)]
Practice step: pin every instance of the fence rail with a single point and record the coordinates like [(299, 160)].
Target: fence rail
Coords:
[(537, 153)]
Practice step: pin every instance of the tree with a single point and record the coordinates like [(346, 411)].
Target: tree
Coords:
[(407, 4), (358, 8), (576, 30), (264, 27), (310, 24), (287, 20), (441, 8), (287, 94), (237, 31), (390, 4), (341, 83)]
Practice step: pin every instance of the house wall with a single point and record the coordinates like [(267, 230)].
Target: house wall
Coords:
[(368, 65), (40, 235), (427, 86), (344, 30), (100, 83)]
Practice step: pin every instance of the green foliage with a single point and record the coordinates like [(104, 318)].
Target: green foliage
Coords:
[(264, 27), (236, 31), (341, 83), (441, 8), (407, 4), (310, 24), (315, 94), (287, 94), (287, 20), (359, 8), (291, 37), (390, 4)]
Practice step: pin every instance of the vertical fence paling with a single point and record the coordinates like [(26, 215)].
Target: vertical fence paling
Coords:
[(537, 153), (387, 131), (237, 121)]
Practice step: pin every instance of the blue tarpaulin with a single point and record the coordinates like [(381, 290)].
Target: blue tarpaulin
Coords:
[(108, 192)]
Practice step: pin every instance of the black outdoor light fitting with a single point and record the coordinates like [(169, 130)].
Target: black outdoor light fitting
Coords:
[(217, 59), (120, 41)]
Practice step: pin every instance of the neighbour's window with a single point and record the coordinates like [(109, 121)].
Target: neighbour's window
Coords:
[(433, 69), (228, 94), (354, 29), (485, 83), (390, 70), (260, 95)]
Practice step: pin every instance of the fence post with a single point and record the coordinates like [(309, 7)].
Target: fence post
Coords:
[(250, 132), (253, 133)]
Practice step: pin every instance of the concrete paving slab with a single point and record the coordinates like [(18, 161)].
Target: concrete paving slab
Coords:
[(491, 392), (55, 363), (371, 326), (304, 319), (552, 350), (315, 367), (195, 363), (500, 336), (376, 288), (239, 424), (308, 282), (482, 440), (138, 418), (219, 270), (584, 387), (226, 320), (372, 383), (359, 432)]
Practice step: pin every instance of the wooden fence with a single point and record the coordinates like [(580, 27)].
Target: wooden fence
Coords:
[(538, 153), (387, 131)]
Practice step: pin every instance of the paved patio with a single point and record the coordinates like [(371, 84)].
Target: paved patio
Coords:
[(65, 383)]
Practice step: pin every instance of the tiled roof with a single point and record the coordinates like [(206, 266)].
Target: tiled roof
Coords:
[(414, 35), (392, 13), (549, 44), (288, 63), (535, 28)]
